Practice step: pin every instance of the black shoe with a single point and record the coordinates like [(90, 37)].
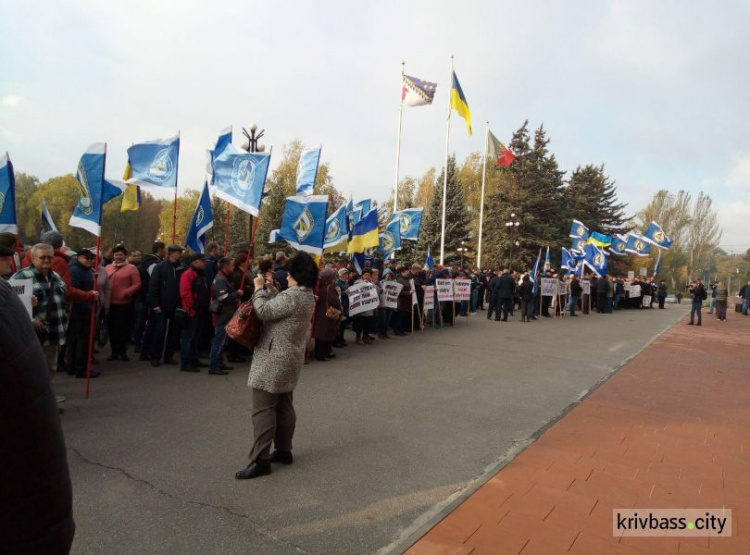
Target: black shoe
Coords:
[(170, 361), (283, 457), (94, 374), (690, 324), (191, 369), (330, 355), (155, 363), (225, 368), (111, 358), (254, 470), (125, 358), (217, 373), (698, 324)]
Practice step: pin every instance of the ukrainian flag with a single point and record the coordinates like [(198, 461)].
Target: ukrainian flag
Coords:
[(131, 199), (599, 239), (458, 102), (365, 233)]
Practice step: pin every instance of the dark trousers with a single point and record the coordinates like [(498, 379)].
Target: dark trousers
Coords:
[(120, 317), (342, 327), (504, 305), (189, 340), (78, 343), (585, 301), (140, 314), (274, 421), (601, 301), (546, 301), (384, 319), (362, 325), (696, 309), (491, 306), (322, 349), (166, 332), (661, 302), (527, 309)]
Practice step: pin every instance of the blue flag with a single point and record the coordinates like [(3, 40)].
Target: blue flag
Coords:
[(578, 230), (637, 245), (390, 239), (534, 272), (303, 223), (240, 177), (619, 244), (153, 164), (410, 222), (337, 230), (8, 223), (656, 236), (658, 264), (90, 175), (595, 259), (567, 258), (547, 262), (578, 245), (428, 261), (364, 206), (224, 139), (599, 239), (307, 170), (48, 223), (202, 221)]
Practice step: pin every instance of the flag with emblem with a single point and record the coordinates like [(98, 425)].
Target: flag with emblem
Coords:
[(240, 177), (579, 231), (502, 156), (595, 259), (637, 245), (153, 164), (353, 212), (87, 213), (307, 170), (428, 261), (458, 102), (415, 92), (224, 139), (599, 239), (656, 236), (337, 231), (202, 221), (303, 223), (390, 239), (619, 243), (364, 234), (8, 223), (410, 222), (364, 206)]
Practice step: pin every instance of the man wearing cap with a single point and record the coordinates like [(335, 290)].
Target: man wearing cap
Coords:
[(164, 294), (195, 297), (79, 328)]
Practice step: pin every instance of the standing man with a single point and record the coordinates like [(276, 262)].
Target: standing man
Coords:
[(505, 290), (164, 295), (124, 282), (195, 299), (403, 304), (142, 310), (662, 292), (279, 272), (227, 297), (492, 303), (698, 295), (419, 290), (575, 293), (745, 298), (6, 262), (82, 276)]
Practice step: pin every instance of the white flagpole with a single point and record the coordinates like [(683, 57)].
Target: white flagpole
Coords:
[(481, 201), (398, 141), (445, 179)]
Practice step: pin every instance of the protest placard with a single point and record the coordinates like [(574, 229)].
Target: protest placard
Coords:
[(646, 301), (362, 297), (461, 289), (562, 288), (631, 274), (444, 289), (429, 298), (635, 291), (644, 272), (586, 286), (24, 288), (391, 290), (549, 287)]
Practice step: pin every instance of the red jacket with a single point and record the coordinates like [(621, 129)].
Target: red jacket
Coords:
[(194, 292), (61, 266)]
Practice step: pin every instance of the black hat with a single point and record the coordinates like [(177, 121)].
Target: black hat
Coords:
[(175, 248), (195, 257), (87, 253), (6, 251)]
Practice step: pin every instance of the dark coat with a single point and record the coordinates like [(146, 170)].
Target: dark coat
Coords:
[(506, 286), (81, 278), (223, 291), (164, 286), (575, 288), (325, 328), (527, 290), (404, 298), (36, 502), (145, 269), (280, 275)]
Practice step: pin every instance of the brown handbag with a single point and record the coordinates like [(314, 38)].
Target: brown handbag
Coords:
[(332, 313), (245, 326)]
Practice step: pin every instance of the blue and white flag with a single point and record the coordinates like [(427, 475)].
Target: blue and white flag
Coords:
[(353, 213), (202, 221), (8, 223), (619, 244), (364, 205), (578, 245), (273, 236), (390, 239), (225, 138), (307, 170), (240, 177), (637, 245), (90, 175), (337, 231), (428, 261), (48, 223), (303, 223), (567, 259), (547, 262), (535, 272), (658, 264), (410, 222), (360, 261), (595, 259), (578, 230), (656, 236), (153, 164)]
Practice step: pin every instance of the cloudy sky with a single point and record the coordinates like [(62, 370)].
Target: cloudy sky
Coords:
[(657, 91)]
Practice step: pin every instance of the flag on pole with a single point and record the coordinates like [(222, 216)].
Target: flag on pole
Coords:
[(303, 222), (202, 221), (595, 259), (415, 92), (48, 223), (337, 231), (364, 234), (410, 222), (90, 176), (577, 245), (307, 170), (153, 164), (619, 243), (390, 239), (428, 260), (353, 213), (224, 139), (502, 156), (535, 272), (364, 206), (131, 198), (579, 231), (240, 177), (8, 222), (599, 239), (636, 245), (656, 236), (658, 264), (458, 102), (547, 262)]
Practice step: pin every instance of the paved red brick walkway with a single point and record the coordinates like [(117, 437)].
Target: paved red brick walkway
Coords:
[(669, 430)]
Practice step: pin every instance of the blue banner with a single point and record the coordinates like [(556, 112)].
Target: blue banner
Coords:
[(240, 177), (656, 236), (337, 230), (595, 259), (8, 223), (390, 239), (578, 230), (307, 170), (90, 175), (618, 245), (153, 164), (410, 222), (225, 138), (637, 245), (202, 221), (303, 223)]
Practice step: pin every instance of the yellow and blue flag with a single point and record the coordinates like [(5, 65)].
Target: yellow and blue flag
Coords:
[(364, 234), (458, 102), (599, 239), (131, 199)]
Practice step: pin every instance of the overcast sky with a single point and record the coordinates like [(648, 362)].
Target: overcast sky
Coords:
[(657, 91)]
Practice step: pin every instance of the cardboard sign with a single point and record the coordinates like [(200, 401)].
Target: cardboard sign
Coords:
[(414, 300), (362, 297), (586, 285), (429, 298), (631, 274), (24, 288), (461, 289), (444, 289), (644, 272), (562, 288), (549, 287), (646, 301), (635, 291), (391, 291)]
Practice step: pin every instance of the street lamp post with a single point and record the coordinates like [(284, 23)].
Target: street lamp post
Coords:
[(512, 224), (252, 145), (462, 250)]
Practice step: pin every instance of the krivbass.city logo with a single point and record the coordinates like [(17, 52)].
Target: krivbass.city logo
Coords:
[(404, 223), (162, 167), (304, 225), (242, 175), (672, 522), (84, 204), (334, 230)]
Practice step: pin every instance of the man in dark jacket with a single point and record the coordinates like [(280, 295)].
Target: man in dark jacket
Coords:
[(143, 332), (492, 304), (195, 297), (279, 273), (601, 295), (698, 295), (164, 295), (575, 293), (506, 288), (79, 325), (227, 298), (546, 301), (36, 503), (662, 292)]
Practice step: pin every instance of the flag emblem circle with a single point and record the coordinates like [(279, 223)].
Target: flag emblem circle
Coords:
[(162, 167), (242, 175), (201, 215), (84, 204), (639, 245), (334, 230), (620, 247), (599, 259), (579, 229), (404, 223), (304, 225), (659, 237), (387, 241)]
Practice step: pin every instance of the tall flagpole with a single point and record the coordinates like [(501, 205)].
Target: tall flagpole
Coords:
[(398, 141), (445, 177), (176, 184), (481, 201)]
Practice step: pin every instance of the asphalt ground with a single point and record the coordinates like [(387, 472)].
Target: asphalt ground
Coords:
[(389, 437)]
